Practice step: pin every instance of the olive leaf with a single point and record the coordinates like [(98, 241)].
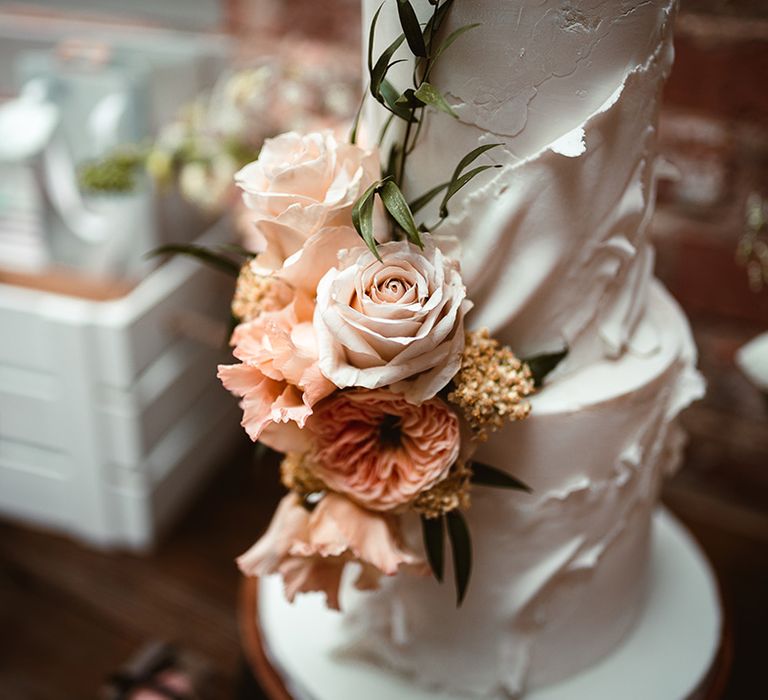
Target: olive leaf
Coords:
[(410, 24), (236, 249), (473, 156), (542, 365), (486, 475), (451, 38), (433, 25), (433, 532), (395, 203), (393, 100), (457, 184), (362, 218), (461, 547), (206, 255), (356, 120), (458, 180), (379, 70), (430, 95), (371, 34), (422, 201), (408, 99)]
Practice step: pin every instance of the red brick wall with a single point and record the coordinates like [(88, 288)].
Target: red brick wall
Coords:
[(714, 130)]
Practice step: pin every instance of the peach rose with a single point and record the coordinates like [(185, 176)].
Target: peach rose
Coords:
[(396, 322), (381, 450), (278, 377), (299, 185), (310, 549)]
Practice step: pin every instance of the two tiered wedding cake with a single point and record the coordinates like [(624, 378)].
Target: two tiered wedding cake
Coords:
[(388, 398), (555, 254)]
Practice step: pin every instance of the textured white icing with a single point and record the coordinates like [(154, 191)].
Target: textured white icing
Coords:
[(555, 250), (559, 576), (555, 253)]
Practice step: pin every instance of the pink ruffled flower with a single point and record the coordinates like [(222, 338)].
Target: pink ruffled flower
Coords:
[(310, 549), (381, 450), (278, 378)]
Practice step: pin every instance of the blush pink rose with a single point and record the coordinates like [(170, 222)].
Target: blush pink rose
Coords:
[(300, 185), (278, 377), (396, 322), (381, 450), (310, 549)]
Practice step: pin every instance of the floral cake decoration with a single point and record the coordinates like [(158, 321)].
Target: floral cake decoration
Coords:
[(354, 356)]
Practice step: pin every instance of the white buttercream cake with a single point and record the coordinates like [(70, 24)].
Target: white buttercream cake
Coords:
[(556, 255)]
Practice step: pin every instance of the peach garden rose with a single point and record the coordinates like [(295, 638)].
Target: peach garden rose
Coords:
[(380, 450), (396, 322), (299, 185)]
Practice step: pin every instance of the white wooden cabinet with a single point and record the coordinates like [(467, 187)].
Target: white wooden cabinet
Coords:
[(111, 415)]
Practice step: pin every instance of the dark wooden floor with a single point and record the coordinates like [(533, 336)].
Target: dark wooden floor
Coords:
[(70, 615)]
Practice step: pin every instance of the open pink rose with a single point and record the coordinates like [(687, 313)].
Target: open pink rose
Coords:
[(310, 549), (381, 450), (278, 377), (299, 185), (396, 322)]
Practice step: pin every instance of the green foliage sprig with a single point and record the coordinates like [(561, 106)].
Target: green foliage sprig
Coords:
[(219, 257), (408, 106), (453, 524), (396, 206), (542, 365)]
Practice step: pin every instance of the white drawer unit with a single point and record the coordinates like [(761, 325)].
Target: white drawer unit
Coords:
[(111, 415)]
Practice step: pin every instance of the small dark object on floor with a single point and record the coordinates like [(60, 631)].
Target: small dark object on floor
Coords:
[(159, 671)]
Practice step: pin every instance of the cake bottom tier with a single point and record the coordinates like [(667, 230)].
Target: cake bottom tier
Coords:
[(559, 576)]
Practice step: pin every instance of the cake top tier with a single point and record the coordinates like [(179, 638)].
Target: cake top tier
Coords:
[(554, 246)]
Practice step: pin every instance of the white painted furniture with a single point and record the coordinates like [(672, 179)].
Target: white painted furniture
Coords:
[(111, 416)]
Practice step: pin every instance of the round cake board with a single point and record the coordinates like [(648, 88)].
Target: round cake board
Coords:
[(677, 651)]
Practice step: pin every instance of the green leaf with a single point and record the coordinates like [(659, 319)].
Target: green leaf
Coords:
[(396, 205), (542, 365), (236, 249), (486, 475), (433, 531), (430, 95), (356, 120), (410, 24), (262, 453), (205, 255), (457, 184), (421, 202), (408, 99), (379, 71), (451, 38), (362, 218), (473, 156), (433, 25), (392, 160), (391, 99), (461, 546), (371, 34)]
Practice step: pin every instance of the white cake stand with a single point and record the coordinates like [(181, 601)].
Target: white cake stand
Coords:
[(674, 653)]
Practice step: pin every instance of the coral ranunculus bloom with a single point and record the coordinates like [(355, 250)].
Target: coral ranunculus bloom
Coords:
[(381, 450)]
